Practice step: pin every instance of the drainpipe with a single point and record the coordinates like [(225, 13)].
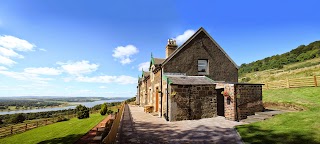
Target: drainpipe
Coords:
[(235, 98), (160, 90), (167, 99)]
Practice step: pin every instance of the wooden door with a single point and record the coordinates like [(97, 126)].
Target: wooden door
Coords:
[(220, 103)]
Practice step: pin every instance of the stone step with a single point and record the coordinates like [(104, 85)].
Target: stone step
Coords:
[(271, 113), (250, 120), (261, 117)]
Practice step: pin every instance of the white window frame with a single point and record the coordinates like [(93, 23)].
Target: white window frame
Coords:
[(203, 63)]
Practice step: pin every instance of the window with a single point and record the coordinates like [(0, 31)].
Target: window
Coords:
[(203, 67)]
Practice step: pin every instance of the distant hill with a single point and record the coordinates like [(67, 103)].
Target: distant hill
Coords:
[(300, 54)]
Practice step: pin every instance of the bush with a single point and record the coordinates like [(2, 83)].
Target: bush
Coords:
[(110, 112), (17, 118), (61, 118), (103, 109), (82, 112), (245, 79), (1, 122)]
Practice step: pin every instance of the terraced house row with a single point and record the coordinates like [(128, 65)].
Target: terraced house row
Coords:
[(197, 80)]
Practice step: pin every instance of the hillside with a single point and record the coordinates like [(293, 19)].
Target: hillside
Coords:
[(300, 54), (300, 62), (295, 70)]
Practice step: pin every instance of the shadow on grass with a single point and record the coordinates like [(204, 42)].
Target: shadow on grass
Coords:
[(255, 134), (69, 139)]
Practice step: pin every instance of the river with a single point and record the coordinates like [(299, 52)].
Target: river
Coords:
[(87, 104)]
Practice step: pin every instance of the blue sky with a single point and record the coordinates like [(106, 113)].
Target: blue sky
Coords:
[(96, 48)]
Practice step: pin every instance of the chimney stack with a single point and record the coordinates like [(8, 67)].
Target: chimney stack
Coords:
[(171, 46)]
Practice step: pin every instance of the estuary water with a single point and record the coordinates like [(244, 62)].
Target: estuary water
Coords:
[(87, 104)]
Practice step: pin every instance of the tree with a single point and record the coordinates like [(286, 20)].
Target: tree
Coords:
[(103, 109), (82, 112), (17, 118)]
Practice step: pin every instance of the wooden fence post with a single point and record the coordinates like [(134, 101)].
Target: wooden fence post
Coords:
[(11, 130), (25, 129), (288, 84), (37, 124), (46, 122), (315, 81)]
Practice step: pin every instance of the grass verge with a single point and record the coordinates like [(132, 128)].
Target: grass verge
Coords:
[(61, 132), (292, 127)]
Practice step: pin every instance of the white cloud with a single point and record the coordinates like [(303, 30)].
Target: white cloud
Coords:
[(41, 49), (14, 43), (144, 66), (6, 61), (2, 68), (8, 47), (67, 79), (43, 71), (9, 53), (108, 79), (102, 87), (25, 76), (124, 53), (78, 68), (185, 36)]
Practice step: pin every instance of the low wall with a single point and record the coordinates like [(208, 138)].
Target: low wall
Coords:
[(249, 100)]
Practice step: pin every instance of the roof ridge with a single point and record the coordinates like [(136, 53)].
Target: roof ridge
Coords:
[(191, 38)]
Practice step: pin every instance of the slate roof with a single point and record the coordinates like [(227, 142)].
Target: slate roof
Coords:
[(158, 61), (146, 74), (189, 80)]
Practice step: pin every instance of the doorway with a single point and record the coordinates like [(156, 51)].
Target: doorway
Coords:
[(220, 102)]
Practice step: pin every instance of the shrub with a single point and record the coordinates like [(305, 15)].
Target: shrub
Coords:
[(1, 122), (82, 112), (61, 118), (245, 79), (17, 118), (110, 112), (103, 109)]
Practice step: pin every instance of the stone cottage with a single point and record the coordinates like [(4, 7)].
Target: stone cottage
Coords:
[(197, 80)]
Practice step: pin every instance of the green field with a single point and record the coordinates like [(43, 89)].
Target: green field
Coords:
[(61, 132), (292, 127)]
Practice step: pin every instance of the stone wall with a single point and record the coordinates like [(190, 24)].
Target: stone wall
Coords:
[(249, 100), (156, 84), (202, 47), (164, 97), (229, 108), (189, 102)]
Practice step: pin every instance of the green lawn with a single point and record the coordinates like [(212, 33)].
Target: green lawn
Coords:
[(292, 127), (61, 132)]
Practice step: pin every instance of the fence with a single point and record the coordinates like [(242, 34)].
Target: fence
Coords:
[(19, 128), (111, 137), (312, 81)]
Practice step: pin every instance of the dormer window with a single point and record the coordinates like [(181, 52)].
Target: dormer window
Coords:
[(203, 67)]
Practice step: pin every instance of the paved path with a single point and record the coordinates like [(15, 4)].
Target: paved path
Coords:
[(128, 134), (152, 129)]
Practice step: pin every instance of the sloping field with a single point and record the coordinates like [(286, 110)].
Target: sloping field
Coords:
[(61, 132), (291, 71)]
